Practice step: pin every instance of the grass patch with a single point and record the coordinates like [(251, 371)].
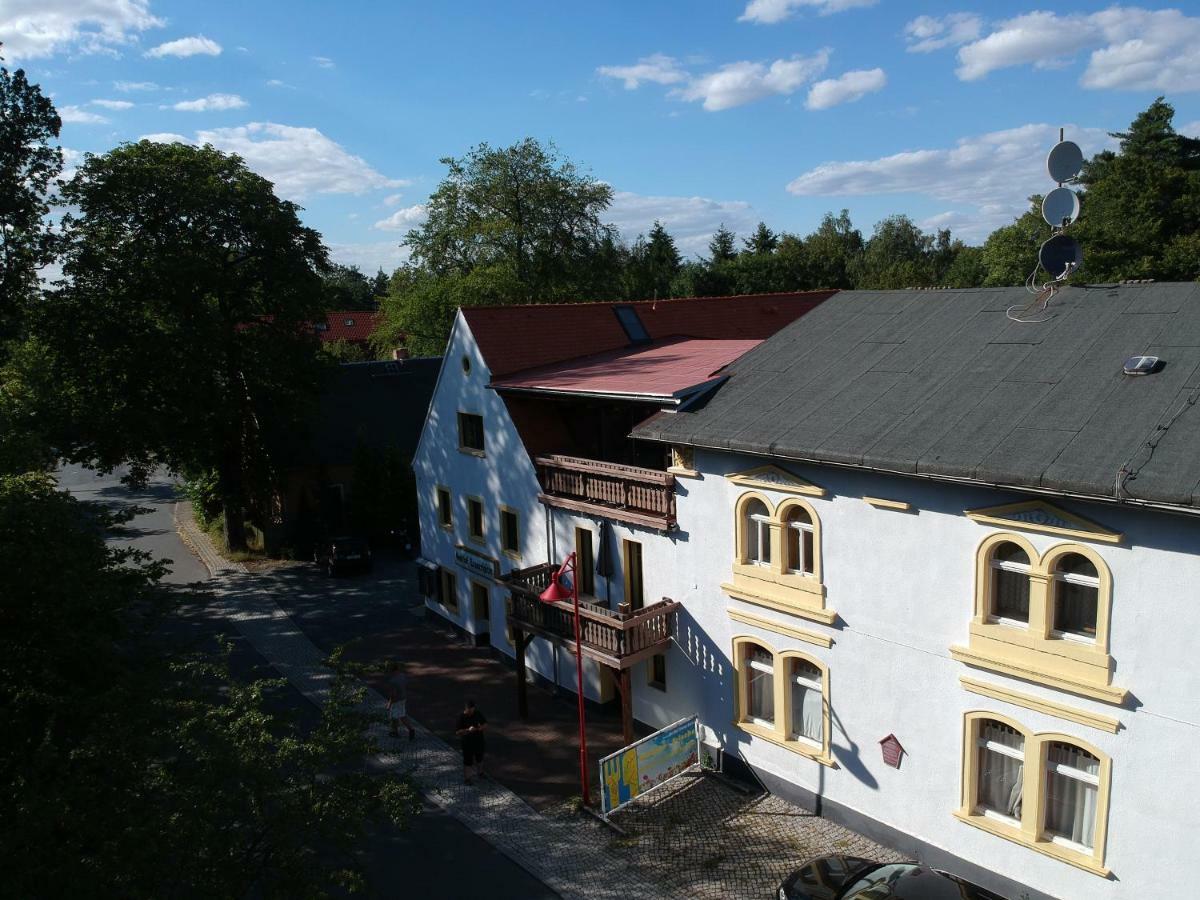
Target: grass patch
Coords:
[(215, 529)]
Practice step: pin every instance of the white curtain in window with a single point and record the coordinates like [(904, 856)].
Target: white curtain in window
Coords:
[(808, 720), (1071, 791), (761, 689), (1001, 768)]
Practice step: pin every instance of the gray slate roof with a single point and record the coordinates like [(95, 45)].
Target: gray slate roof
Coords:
[(943, 383)]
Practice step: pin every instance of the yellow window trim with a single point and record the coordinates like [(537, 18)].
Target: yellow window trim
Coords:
[(881, 503), (1033, 812), (1040, 516), (824, 616), (773, 478), (780, 734), (1039, 704), (1033, 652), (800, 634), (511, 554), (1014, 669)]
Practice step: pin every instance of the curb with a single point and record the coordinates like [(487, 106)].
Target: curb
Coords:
[(201, 545)]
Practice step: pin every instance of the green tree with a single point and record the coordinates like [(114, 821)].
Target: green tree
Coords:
[(898, 255), (658, 262), (723, 246), (1010, 253), (966, 269), (762, 241), (345, 287), (181, 336), (833, 251), (29, 162)]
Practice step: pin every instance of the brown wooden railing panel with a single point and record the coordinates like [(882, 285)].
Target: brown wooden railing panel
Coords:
[(610, 488)]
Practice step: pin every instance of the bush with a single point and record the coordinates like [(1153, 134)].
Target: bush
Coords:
[(202, 491)]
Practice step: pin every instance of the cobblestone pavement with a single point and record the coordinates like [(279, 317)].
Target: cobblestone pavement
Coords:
[(696, 837)]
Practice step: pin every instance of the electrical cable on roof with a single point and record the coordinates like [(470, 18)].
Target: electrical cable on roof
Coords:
[(1125, 473)]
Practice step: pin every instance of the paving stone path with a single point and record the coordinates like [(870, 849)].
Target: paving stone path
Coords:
[(694, 838)]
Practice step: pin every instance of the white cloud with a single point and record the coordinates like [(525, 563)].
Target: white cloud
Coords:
[(1191, 129), (211, 103), (925, 34), (392, 199), (38, 28), (1132, 48), (691, 221), (744, 82), (403, 219), (372, 256), (300, 161), (112, 104), (278, 83), (197, 45), (987, 177), (768, 12), (324, 62), (126, 87), (165, 137), (845, 88), (77, 115), (656, 68)]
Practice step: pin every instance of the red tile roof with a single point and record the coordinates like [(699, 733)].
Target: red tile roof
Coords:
[(515, 338), (353, 325), (662, 369)]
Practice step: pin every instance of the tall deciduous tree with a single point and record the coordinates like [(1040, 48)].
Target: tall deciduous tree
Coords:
[(181, 336)]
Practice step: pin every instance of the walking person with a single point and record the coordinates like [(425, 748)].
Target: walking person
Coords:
[(396, 689), (470, 729)]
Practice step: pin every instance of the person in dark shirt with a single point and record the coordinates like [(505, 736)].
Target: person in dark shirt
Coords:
[(471, 725)]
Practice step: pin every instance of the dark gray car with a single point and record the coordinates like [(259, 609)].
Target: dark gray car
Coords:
[(852, 878)]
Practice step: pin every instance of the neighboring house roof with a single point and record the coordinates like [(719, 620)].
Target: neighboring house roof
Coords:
[(945, 384), (661, 370), (378, 405), (515, 338), (353, 325)]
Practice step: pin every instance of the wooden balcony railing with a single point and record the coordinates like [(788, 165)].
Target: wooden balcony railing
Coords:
[(614, 638), (625, 493)]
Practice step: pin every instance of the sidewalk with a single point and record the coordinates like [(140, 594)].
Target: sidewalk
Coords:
[(572, 860)]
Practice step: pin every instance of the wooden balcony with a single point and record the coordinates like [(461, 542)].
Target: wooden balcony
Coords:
[(625, 493), (616, 639)]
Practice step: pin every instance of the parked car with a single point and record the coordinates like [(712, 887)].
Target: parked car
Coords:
[(852, 878), (343, 554)]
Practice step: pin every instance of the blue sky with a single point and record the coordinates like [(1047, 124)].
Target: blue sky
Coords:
[(695, 113)]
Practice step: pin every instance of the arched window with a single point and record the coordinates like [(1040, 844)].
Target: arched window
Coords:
[(1001, 770), (757, 524), (1072, 790), (1009, 584), (760, 685), (799, 538), (806, 684), (1076, 589)]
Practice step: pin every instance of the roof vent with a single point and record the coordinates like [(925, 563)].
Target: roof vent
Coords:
[(1142, 365)]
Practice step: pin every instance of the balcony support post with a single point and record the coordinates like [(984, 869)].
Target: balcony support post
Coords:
[(520, 642), (626, 706)]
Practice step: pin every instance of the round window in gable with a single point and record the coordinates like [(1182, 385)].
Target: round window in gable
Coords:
[(466, 363)]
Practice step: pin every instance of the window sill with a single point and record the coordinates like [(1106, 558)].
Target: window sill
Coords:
[(514, 555), (471, 451), (449, 528), (782, 603), (798, 747), (1023, 669), (680, 472), (1046, 848), (658, 686)]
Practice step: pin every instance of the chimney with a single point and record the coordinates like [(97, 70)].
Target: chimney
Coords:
[(400, 353)]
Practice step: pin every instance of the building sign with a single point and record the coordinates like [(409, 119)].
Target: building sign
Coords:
[(640, 767), (476, 563)]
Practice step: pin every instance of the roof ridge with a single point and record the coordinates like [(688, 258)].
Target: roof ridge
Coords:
[(765, 294)]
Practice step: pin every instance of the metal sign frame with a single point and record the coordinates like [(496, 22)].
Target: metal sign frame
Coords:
[(695, 720)]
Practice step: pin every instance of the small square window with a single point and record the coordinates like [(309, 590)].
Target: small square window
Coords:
[(656, 671), (475, 518), (444, 508), (510, 532), (470, 432)]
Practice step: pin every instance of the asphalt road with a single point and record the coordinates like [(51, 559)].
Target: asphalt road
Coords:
[(436, 856)]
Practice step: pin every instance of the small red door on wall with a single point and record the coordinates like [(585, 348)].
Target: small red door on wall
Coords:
[(892, 751)]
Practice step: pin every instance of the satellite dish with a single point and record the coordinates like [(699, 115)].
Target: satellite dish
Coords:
[(1059, 254), (1060, 207), (1065, 161)]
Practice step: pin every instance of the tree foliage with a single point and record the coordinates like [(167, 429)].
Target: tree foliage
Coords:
[(181, 335)]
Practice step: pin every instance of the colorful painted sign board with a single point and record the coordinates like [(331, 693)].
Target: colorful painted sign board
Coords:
[(644, 765)]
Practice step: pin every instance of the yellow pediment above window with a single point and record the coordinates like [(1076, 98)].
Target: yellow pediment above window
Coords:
[(1038, 515), (773, 478)]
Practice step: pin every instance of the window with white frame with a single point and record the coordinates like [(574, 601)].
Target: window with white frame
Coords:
[(758, 533), (799, 541), (760, 686), (1000, 771), (1009, 601), (1072, 788), (1076, 588), (808, 714)]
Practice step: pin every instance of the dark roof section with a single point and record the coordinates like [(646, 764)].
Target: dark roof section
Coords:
[(379, 405), (514, 338), (943, 383)]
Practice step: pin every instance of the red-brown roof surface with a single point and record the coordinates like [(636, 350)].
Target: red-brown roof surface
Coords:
[(348, 325), (515, 338), (661, 369)]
